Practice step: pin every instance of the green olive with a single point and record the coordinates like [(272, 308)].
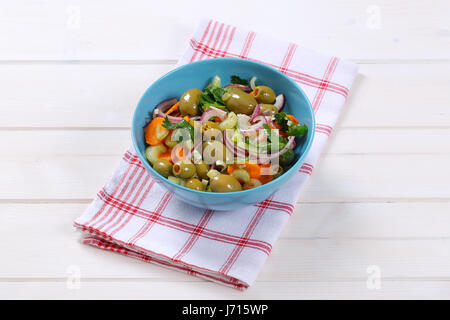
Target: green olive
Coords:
[(169, 141), (195, 184), (225, 183), (175, 180), (253, 183), (268, 108), (202, 169), (189, 102), (264, 94), (241, 175), (163, 167), (210, 130), (183, 170), (216, 151), (209, 125), (240, 102)]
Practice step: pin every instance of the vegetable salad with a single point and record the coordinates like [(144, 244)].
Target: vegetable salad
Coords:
[(223, 138)]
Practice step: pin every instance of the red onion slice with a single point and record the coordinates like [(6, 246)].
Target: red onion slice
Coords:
[(253, 83), (262, 119), (267, 157), (239, 86), (235, 149), (166, 104), (159, 113), (213, 112), (244, 125), (255, 113), (280, 100)]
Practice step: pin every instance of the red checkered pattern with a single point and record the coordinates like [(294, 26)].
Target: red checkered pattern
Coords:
[(134, 216)]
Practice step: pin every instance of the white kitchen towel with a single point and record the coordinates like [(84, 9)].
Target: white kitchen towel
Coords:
[(135, 216)]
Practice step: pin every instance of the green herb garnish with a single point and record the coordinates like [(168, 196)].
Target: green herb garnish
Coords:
[(179, 125), (281, 141), (212, 98), (239, 80), (289, 127)]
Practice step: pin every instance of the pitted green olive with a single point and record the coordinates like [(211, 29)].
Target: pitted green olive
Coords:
[(209, 125), (240, 102), (216, 151), (183, 170), (163, 167), (210, 130), (169, 141), (225, 183), (253, 183), (268, 108), (241, 175), (189, 102), (202, 169), (195, 184), (175, 180), (264, 94)]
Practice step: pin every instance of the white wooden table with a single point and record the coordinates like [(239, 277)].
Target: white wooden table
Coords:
[(374, 220)]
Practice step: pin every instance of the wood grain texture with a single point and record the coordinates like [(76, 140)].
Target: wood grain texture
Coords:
[(206, 290), (329, 242), (334, 179), (147, 30), (105, 95), (71, 73)]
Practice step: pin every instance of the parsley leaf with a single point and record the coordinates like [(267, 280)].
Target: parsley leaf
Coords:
[(218, 93), (212, 98), (239, 80), (282, 119), (281, 141), (215, 83), (288, 155), (289, 127), (297, 130), (205, 99), (179, 125)]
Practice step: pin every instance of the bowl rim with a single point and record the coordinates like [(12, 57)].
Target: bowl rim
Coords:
[(218, 194)]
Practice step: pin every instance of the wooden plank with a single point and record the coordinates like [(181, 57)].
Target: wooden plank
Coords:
[(372, 177), (321, 242), (73, 95), (399, 95), (337, 177), (354, 29), (102, 95), (387, 220), (350, 141), (206, 290)]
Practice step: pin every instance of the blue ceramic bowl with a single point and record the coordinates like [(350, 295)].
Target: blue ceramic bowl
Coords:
[(198, 75)]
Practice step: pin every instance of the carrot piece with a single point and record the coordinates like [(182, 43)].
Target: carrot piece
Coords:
[(186, 118), (253, 169), (155, 132), (166, 155), (267, 177), (180, 153), (252, 93), (173, 108), (282, 133), (217, 119), (292, 118)]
